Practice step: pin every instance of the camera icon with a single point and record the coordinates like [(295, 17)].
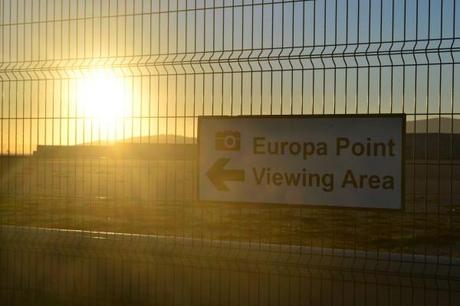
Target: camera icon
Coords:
[(228, 141)]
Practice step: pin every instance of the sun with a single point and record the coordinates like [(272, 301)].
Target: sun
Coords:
[(103, 98)]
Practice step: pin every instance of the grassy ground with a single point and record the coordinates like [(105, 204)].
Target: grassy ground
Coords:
[(157, 197)]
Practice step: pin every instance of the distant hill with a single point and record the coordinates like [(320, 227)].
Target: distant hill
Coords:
[(443, 125), (431, 138), (152, 139), (179, 139)]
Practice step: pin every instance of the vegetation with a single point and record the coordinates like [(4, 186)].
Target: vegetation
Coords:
[(159, 197)]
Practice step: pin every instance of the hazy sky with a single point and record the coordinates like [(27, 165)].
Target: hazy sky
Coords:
[(181, 59)]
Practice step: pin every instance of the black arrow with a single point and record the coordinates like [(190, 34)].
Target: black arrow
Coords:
[(218, 175)]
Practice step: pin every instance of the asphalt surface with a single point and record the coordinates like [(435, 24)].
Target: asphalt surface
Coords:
[(56, 266)]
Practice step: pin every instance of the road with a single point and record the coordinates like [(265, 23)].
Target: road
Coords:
[(72, 267)]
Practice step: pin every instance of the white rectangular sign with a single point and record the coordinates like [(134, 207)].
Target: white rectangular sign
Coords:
[(343, 160)]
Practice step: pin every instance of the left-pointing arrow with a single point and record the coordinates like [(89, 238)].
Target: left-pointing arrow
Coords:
[(218, 175)]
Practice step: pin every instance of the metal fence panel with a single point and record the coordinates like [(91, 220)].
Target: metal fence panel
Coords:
[(98, 125)]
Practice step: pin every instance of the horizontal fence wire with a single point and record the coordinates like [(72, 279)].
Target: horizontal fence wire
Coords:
[(99, 107)]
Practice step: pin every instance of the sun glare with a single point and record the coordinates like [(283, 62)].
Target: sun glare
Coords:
[(104, 99)]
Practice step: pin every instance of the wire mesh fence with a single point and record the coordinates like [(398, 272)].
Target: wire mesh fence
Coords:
[(98, 127)]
